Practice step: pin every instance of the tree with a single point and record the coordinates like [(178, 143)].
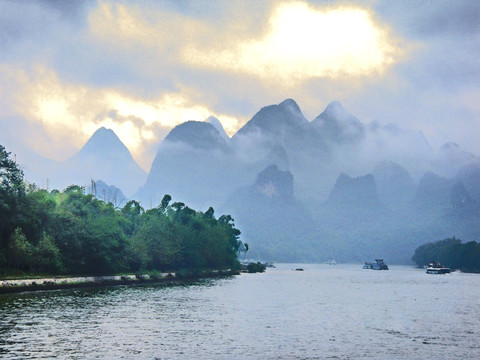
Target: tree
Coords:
[(165, 201), (12, 191), (11, 176), (132, 212), (155, 245), (20, 251), (47, 257)]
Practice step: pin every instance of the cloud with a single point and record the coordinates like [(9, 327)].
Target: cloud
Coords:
[(302, 42), (70, 113), (140, 68)]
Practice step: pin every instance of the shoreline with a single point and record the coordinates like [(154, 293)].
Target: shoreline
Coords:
[(56, 283)]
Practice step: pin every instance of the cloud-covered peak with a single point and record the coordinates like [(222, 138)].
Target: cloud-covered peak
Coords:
[(218, 125), (337, 124), (335, 108), (276, 119)]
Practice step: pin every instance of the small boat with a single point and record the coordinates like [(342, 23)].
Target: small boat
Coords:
[(436, 268), (331, 262), (379, 264), (299, 269)]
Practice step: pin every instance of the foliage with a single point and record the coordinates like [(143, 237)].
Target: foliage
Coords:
[(71, 232), (256, 267), (450, 252)]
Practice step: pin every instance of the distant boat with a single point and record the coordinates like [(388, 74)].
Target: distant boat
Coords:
[(331, 262), (379, 264), (299, 269), (437, 268)]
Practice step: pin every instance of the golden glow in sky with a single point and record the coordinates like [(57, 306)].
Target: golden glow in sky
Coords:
[(302, 42), (77, 111), (286, 44)]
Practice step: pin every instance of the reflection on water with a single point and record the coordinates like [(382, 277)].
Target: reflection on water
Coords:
[(325, 312)]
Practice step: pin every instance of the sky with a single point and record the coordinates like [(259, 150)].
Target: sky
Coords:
[(140, 68)]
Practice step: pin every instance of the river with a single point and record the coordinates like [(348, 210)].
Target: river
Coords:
[(324, 312)]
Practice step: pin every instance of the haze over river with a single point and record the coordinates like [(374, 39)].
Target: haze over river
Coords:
[(324, 312)]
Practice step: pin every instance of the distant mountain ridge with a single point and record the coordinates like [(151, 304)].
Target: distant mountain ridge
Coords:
[(302, 190), (103, 157)]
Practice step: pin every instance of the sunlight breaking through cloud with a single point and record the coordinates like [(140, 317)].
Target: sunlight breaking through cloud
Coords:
[(72, 113), (303, 42)]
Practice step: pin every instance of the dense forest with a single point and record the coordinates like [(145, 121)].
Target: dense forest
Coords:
[(450, 252), (70, 232)]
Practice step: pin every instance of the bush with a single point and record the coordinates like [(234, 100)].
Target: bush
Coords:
[(256, 267)]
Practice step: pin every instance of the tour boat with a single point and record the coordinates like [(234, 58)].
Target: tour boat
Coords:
[(437, 268), (379, 264)]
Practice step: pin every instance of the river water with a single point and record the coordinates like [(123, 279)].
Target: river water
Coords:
[(324, 312)]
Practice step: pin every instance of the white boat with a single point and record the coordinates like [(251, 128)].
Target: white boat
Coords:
[(331, 262), (437, 268)]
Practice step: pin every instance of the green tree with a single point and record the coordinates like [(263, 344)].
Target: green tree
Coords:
[(47, 257), (20, 251), (12, 191), (155, 245)]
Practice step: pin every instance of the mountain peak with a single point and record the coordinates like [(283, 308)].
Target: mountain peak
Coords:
[(335, 107), (336, 112), (198, 134), (218, 125), (337, 124), (104, 140), (276, 120), (274, 182), (359, 191), (290, 105)]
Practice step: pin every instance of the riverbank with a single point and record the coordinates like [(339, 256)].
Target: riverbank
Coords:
[(55, 283)]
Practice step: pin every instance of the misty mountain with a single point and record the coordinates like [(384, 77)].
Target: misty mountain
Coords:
[(433, 193), (218, 125), (282, 126), (272, 220), (37, 169), (198, 135), (451, 158), (103, 157), (382, 214), (395, 186), (336, 124), (469, 175), (305, 207), (107, 193), (193, 164), (354, 192), (280, 121), (390, 142)]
